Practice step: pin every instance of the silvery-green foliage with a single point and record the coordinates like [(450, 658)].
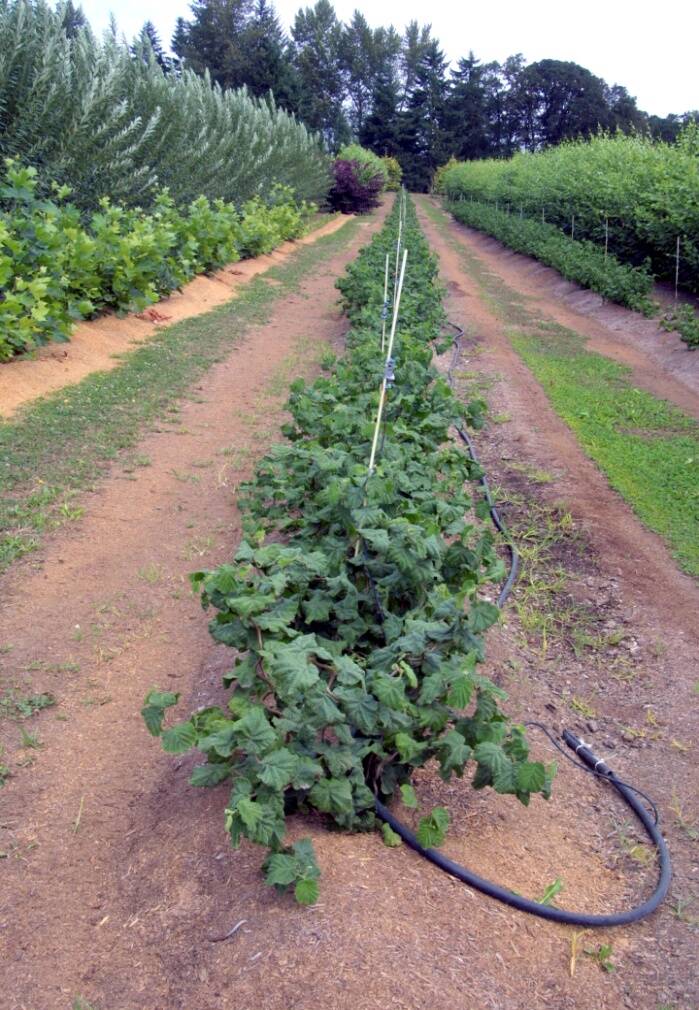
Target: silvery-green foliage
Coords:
[(105, 121)]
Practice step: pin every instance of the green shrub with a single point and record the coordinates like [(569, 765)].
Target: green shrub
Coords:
[(394, 173), (582, 262), (369, 164), (56, 268), (107, 121), (639, 194)]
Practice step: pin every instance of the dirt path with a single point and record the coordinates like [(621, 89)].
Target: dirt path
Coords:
[(624, 576), (660, 361), (97, 345), (118, 874)]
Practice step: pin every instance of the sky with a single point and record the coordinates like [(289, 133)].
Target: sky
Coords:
[(650, 49)]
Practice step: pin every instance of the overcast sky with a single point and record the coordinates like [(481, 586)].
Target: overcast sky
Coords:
[(651, 49)]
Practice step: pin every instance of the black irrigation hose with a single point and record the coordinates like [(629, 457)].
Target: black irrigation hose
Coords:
[(534, 907), (590, 763)]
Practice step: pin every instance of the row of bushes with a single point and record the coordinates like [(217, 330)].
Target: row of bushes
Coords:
[(58, 266), (104, 120), (636, 194), (579, 261), (353, 602)]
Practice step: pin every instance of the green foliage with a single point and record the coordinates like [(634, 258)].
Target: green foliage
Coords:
[(352, 604), (92, 115), (369, 164), (602, 955), (56, 268), (683, 320), (390, 838), (645, 194), (394, 173), (579, 261), (432, 829), (551, 891)]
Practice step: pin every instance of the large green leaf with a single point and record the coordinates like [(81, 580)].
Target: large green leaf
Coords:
[(278, 768), (154, 707), (332, 796), (432, 829), (178, 739)]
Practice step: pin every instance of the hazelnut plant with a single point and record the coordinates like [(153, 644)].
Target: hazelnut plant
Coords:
[(352, 603)]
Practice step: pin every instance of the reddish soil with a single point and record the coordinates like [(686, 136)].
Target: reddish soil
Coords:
[(97, 345), (118, 874)]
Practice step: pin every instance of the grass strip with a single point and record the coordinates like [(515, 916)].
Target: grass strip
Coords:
[(647, 448), (62, 444)]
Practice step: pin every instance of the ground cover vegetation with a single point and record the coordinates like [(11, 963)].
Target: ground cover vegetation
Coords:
[(353, 603), (394, 90)]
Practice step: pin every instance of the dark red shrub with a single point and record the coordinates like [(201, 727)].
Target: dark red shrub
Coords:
[(349, 194)]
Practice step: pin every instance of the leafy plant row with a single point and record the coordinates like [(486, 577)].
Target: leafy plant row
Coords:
[(638, 194), (56, 267), (579, 261), (107, 121), (353, 604)]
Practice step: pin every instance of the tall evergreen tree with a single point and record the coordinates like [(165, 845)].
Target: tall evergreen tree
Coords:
[(72, 17), (466, 114), (316, 52), (214, 39), (381, 129), (148, 41), (422, 125), (268, 67)]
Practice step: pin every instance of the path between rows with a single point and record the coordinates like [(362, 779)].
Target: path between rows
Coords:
[(634, 578), (118, 874)]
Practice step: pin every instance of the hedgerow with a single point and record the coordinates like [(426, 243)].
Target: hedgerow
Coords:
[(58, 266), (353, 605), (637, 195), (106, 121)]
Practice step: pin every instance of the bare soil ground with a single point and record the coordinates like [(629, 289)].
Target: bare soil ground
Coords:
[(118, 876), (97, 345)]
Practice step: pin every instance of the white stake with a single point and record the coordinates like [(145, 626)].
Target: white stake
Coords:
[(389, 353), (395, 273), (385, 305)]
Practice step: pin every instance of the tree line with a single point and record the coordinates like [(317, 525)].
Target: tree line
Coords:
[(395, 92)]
